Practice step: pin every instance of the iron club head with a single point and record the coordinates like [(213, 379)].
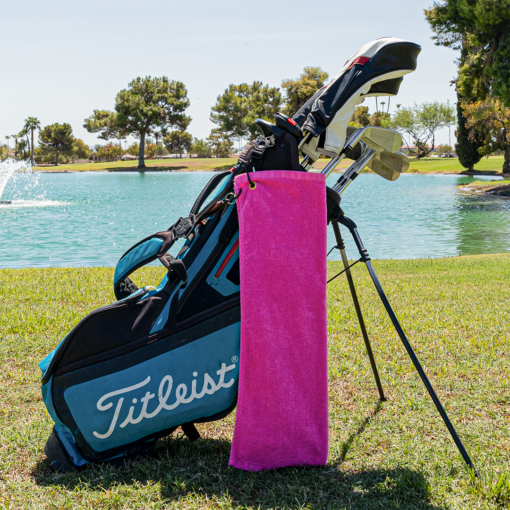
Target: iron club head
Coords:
[(389, 165)]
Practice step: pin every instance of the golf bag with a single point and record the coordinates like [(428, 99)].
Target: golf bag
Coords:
[(135, 370), (157, 359)]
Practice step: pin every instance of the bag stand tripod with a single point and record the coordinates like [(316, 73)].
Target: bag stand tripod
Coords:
[(364, 257)]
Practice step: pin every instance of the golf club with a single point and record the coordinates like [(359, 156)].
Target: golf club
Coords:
[(389, 165), (378, 138), (352, 172)]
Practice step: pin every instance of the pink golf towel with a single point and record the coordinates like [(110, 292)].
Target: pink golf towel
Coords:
[(282, 410)]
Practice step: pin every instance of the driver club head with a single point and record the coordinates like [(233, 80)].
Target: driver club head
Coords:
[(389, 165)]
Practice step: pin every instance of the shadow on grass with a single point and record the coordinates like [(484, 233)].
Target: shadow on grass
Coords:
[(200, 469)]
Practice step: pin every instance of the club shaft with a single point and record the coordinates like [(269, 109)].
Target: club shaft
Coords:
[(353, 170), (332, 165)]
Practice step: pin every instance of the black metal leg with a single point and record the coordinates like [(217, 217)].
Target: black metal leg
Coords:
[(341, 247), (365, 258)]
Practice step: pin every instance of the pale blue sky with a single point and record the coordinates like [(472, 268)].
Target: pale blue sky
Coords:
[(62, 59)]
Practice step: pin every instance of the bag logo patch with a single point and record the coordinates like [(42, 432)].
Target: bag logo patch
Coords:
[(165, 389)]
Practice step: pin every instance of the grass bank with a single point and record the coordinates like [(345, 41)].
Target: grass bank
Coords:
[(394, 455), (169, 165), (501, 187), (426, 165)]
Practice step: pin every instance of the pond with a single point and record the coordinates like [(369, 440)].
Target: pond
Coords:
[(92, 218)]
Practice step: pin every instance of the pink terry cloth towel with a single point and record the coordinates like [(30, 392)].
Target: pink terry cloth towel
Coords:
[(282, 409)]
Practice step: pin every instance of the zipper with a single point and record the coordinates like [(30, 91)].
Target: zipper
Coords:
[(149, 339), (227, 259), (63, 348)]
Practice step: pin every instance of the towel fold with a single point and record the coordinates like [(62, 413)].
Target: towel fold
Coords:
[(282, 410)]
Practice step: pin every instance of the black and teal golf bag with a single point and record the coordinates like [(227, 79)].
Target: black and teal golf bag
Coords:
[(164, 357), (135, 370)]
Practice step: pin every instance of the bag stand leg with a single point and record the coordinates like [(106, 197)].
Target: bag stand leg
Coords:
[(366, 259), (341, 246)]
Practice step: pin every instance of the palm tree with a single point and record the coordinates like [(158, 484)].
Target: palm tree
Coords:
[(31, 124)]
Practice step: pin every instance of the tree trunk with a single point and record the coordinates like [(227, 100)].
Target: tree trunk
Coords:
[(141, 150), (32, 149), (56, 159), (506, 164)]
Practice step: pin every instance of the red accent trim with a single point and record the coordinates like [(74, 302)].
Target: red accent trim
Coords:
[(292, 122), (360, 60), (227, 258), (232, 169)]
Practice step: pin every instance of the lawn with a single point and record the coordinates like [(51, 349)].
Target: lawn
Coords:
[(185, 164), (397, 454), (436, 165), (425, 165)]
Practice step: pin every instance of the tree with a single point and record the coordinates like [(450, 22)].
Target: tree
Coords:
[(81, 149), (133, 149), (444, 149), (150, 104), (421, 122), (4, 152), (151, 149), (491, 120), (239, 106), (360, 117), (105, 123), (380, 119), (178, 142), (109, 152), (220, 143), (200, 148), (299, 90), (21, 144), (467, 143), (57, 138), (31, 124), (482, 28)]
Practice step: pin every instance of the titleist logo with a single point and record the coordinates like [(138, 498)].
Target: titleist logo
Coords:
[(165, 389)]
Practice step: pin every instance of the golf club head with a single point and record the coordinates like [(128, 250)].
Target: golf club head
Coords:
[(381, 139), (389, 165)]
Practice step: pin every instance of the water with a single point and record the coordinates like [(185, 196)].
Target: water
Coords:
[(90, 219), (7, 170)]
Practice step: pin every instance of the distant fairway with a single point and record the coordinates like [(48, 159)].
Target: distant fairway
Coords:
[(426, 165)]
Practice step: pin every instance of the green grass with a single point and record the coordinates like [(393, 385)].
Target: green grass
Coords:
[(425, 165), (392, 455), (185, 164), (487, 184), (433, 165)]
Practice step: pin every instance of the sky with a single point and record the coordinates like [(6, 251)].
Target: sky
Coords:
[(62, 59)]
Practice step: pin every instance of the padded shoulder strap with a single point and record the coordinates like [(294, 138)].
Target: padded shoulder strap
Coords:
[(209, 188), (152, 248)]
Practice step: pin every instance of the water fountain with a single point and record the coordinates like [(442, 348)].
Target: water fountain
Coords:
[(7, 168)]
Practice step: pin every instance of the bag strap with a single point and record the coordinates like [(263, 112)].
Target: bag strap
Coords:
[(153, 248), (156, 247), (209, 188)]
